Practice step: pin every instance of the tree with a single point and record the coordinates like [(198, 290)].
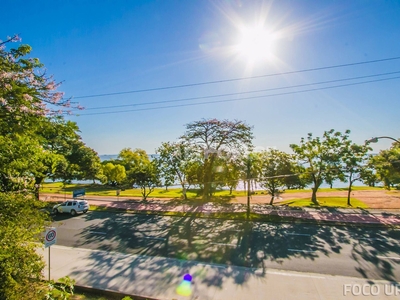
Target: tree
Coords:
[(141, 170), (321, 157), (147, 177), (249, 166), (114, 174), (353, 161), (133, 159), (300, 180), (87, 161), (28, 101), (387, 166), (19, 157), (29, 106), (175, 161), (213, 138), (20, 266), (276, 167), (231, 175)]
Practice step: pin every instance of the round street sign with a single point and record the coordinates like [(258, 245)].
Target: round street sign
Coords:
[(50, 237)]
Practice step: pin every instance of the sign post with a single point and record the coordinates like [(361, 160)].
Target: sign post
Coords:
[(50, 238), (78, 193)]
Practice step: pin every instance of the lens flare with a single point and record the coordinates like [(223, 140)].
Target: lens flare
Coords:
[(184, 288)]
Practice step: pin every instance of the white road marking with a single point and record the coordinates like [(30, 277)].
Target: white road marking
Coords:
[(221, 244), (302, 234), (373, 239), (294, 274), (389, 257), (297, 250), (152, 238)]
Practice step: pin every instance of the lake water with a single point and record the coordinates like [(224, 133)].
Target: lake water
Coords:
[(240, 187)]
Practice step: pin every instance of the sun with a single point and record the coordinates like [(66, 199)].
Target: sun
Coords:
[(255, 43)]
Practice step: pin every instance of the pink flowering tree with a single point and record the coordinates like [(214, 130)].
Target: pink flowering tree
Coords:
[(29, 104)]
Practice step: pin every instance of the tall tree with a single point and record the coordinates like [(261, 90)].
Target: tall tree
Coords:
[(147, 177), (249, 165), (321, 157), (133, 159), (87, 161), (276, 167), (113, 174), (21, 223), (175, 161), (387, 166), (213, 137), (28, 100), (141, 170), (354, 164)]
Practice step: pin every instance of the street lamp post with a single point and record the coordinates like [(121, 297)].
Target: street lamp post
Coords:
[(375, 139)]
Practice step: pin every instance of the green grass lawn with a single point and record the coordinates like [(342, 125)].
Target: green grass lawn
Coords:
[(325, 202), (354, 188), (171, 193), (193, 194)]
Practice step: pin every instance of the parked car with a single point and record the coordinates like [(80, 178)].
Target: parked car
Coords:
[(72, 207)]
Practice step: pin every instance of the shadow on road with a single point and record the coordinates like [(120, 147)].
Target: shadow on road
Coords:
[(233, 243)]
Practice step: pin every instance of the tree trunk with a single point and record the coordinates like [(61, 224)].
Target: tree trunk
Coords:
[(248, 199), (272, 200), (207, 179), (144, 193), (184, 192), (314, 196), (38, 182), (348, 195), (349, 190)]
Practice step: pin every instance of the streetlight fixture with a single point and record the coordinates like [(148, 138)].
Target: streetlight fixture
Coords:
[(375, 139)]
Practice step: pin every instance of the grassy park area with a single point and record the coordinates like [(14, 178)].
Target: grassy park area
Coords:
[(335, 197), (103, 190), (340, 202)]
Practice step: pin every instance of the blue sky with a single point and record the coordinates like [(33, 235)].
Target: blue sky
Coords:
[(100, 47)]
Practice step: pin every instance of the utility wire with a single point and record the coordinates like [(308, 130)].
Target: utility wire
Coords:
[(242, 99), (239, 79), (243, 93)]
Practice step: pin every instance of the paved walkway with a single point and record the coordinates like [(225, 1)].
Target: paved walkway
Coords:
[(159, 278), (350, 216)]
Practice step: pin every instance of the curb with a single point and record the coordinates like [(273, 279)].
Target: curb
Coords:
[(271, 217), (110, 293)]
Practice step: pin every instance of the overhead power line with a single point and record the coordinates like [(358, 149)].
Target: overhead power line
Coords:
[(242, 99), (242, 93), (238, 79)]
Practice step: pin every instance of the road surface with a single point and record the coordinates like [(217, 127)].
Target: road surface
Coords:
[(372, 253)]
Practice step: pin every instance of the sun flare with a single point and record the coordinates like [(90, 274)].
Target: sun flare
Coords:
[(255, 43)]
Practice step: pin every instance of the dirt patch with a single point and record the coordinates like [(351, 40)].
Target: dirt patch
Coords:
[(373, 199)]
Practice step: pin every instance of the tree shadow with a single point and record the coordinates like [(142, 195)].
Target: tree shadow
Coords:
[(237, 250)]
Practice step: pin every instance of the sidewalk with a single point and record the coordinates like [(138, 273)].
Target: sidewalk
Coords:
[(373, 217), (158, 277)]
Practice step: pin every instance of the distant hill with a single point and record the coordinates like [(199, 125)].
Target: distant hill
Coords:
[(108, 157), (104, 157)]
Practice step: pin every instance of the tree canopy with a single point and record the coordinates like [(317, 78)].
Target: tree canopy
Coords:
[(321, 156), (215, 138)]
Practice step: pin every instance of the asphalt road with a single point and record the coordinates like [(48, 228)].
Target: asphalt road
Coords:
[(365, 252)]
